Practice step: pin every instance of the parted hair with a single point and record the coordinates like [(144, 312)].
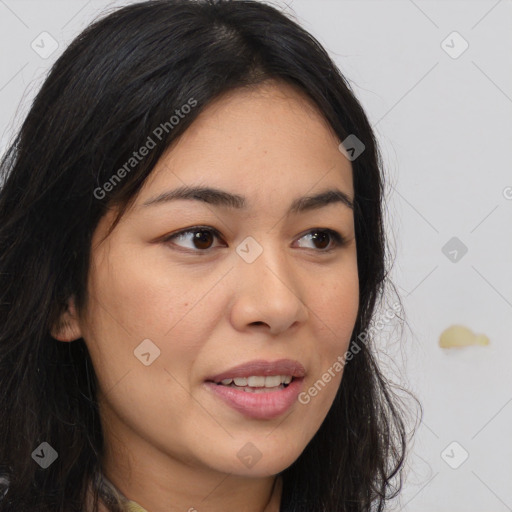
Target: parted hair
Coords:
[(124, 75)]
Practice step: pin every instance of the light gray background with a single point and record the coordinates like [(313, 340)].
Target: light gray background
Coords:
[(445, 129)]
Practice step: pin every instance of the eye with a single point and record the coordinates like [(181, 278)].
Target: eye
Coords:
[(321, 237), (200, 239)]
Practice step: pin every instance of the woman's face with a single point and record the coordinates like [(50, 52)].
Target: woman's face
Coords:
[(168, 313)]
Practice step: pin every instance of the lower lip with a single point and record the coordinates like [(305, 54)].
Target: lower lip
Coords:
[(264, 406)]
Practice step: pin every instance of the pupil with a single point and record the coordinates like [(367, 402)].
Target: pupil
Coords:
[(322, 237), (201, 237)]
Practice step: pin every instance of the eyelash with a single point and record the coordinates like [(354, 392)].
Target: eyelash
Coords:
[(338, 239)]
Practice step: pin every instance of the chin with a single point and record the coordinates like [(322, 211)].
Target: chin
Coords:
[(252, 462)]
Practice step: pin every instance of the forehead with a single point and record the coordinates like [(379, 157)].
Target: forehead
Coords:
[(266, 141)]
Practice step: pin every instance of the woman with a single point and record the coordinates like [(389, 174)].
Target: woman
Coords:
[(208, 372)]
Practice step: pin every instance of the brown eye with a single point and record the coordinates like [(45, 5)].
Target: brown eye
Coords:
[(199, 239), (325, 240), (321, 238), (202, 239)]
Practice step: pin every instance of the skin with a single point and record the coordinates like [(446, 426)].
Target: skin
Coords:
[(171, 443)]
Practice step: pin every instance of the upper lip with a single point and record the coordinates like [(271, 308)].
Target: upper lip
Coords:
[(260, 367)]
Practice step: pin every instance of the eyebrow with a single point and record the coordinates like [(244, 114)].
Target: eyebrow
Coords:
[(217, 197)]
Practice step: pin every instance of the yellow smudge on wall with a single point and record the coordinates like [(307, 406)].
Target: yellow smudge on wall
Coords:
[(457, 336), (133, 506)]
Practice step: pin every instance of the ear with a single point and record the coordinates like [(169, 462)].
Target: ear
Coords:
[(67, 327)]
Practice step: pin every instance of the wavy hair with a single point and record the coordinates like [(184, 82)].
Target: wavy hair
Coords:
[(124, 75)]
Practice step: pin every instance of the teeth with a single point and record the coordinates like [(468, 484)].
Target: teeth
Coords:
[(269, 382), (257, 381)]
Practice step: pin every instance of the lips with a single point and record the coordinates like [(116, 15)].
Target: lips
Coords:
[(263, 368), (259, 403)]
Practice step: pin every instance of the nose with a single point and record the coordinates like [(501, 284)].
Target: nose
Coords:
[(268, 292)]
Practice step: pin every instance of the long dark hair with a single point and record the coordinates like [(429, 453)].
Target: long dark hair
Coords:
[(120, 79)]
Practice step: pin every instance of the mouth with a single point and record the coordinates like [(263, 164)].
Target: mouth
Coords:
[(258, 383), (259, 389), (258, 371)]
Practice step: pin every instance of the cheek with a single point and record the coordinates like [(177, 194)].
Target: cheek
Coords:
[(335, 307), (145, 297), (134, 300)]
